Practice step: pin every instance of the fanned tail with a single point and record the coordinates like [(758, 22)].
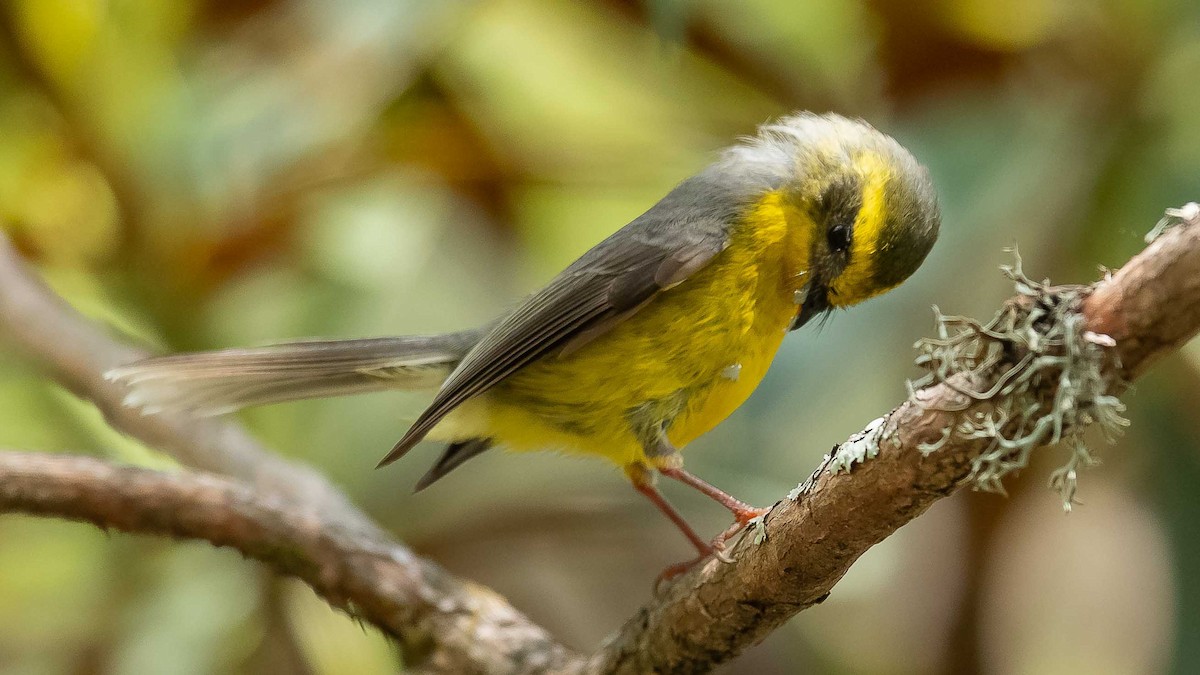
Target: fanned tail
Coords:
[(216, 382)]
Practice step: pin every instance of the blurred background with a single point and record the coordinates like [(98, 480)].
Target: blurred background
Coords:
[(202, 174)]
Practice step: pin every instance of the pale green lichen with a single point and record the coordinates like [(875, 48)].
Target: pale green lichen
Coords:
[(1048, 382), (801, 489), (859, 448), (758, 526)]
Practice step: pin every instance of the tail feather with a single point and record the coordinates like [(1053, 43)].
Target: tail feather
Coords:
[(453, 457), (216, 382)]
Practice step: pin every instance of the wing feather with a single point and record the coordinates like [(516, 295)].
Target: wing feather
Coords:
[(605, 286)]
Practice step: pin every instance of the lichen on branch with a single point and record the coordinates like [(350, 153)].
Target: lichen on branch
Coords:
[(1051, 380)]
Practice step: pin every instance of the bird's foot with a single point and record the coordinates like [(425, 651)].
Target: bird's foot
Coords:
[(742, 518), (714, 550)]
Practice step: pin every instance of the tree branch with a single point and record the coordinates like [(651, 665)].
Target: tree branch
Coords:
[(290, 517), (1151, 307), (382, 584), (443, 624)]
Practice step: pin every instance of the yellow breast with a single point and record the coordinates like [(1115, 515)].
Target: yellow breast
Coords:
[(689, 358)]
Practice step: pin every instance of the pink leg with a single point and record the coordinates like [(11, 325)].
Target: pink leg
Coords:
[(641, 478), (743, 513), (669, 511)]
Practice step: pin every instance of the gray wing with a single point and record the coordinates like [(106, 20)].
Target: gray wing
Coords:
[(608, 284)]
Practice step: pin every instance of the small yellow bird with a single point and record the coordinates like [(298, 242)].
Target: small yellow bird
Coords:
[(647, 341)]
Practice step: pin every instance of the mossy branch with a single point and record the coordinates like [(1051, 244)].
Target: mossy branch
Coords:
[(1048, 366), (377, 582), (1048, 375)]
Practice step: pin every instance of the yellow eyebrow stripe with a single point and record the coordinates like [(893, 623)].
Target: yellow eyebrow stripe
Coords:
[(856, 283)]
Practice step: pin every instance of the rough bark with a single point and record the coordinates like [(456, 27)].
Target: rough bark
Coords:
[(378, 582)]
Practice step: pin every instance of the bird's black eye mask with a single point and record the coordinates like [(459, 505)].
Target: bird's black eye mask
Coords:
[(836, 210)]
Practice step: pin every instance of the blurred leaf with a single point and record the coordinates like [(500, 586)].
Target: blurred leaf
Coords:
[(548, 104), (1014, 26), (60, 33)]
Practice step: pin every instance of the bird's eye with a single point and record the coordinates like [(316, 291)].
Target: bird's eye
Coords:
[(839, 238)]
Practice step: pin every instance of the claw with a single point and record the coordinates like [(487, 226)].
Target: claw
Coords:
[(714, 550), (743, 514), (728, 534), (720, 554)]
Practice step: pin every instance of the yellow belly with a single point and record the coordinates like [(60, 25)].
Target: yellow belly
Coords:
[(673, 362)]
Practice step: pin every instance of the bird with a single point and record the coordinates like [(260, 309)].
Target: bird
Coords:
[(643, 344)]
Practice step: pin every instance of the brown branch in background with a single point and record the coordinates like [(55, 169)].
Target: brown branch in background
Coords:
[(76, 352), (288, 516), (442, 623), (382, 584)]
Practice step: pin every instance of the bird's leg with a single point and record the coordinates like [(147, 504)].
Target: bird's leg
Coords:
[(670, 464), (643, 481), (743, 513)]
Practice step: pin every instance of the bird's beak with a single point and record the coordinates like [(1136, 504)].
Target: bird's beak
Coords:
[(815, 302)]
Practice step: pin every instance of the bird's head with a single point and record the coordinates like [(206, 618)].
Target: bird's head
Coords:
[(866, 209)]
